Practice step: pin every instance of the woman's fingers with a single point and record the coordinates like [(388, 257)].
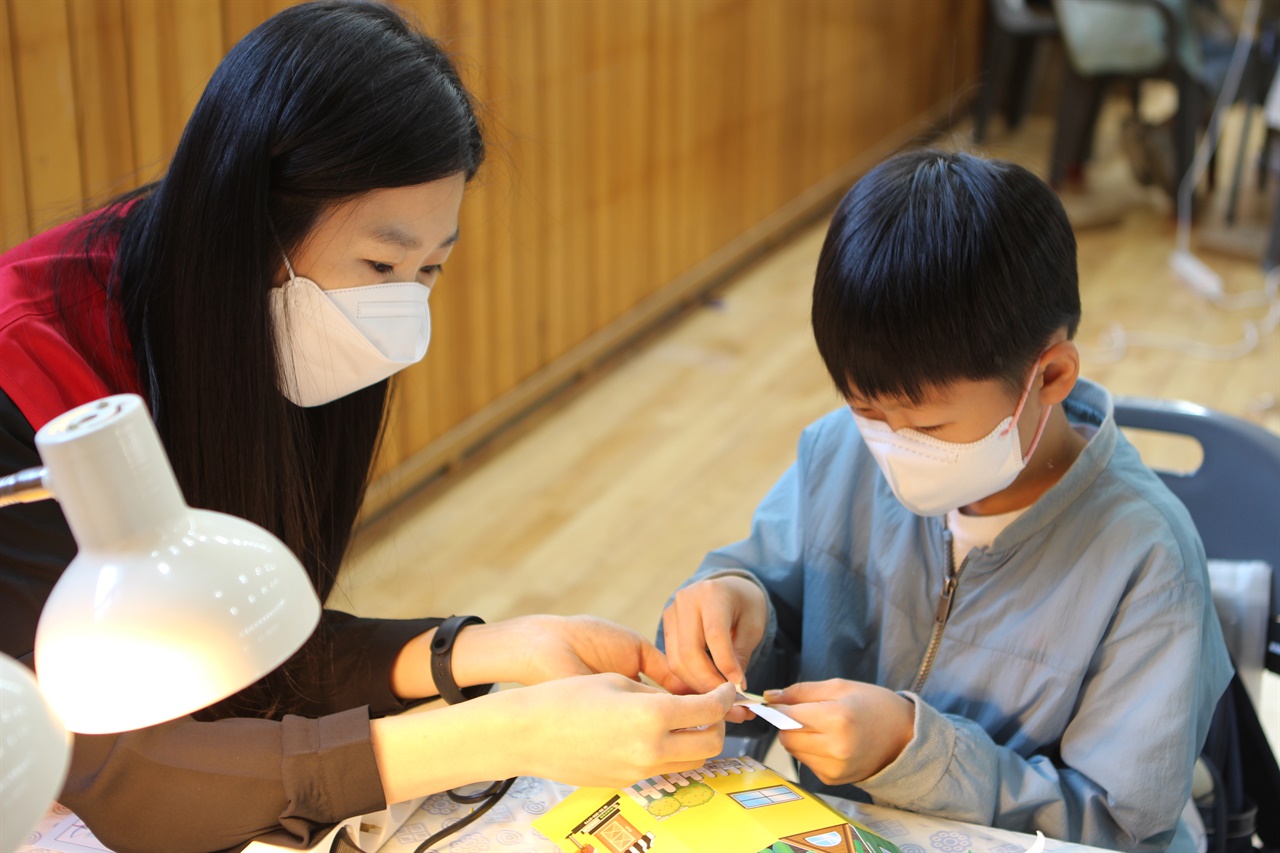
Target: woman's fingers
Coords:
[(655, 665), (699, 709), (634, 730)]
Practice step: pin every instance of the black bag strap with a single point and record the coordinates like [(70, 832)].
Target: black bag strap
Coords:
[(1246, 773)]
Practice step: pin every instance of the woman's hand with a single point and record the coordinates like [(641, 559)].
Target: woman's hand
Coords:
[(610, 731), (604, 730), (851, 730), (711, 629), (532, 649), (561, 646)]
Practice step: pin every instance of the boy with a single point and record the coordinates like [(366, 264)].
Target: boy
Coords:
[(1011, 613)]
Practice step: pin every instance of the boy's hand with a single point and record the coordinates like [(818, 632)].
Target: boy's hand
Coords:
[(851, 730), (711, 628)]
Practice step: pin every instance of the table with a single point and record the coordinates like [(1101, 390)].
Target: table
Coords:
[(508, 828)]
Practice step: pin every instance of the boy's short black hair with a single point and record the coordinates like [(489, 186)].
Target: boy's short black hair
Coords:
[(942, 266)]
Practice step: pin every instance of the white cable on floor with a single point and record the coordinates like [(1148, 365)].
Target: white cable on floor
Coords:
[(1195, 272), (1191, 269), (1117, 340)]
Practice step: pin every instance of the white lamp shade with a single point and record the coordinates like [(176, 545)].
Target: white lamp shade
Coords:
[(165, 609), (34, 753)]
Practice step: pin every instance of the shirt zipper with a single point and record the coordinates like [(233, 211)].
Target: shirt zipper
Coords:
[(943, 613)]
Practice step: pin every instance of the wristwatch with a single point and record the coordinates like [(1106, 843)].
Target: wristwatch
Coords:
[(442, 661)]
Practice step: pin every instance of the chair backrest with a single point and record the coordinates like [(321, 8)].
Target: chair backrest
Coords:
[(1234, 496)]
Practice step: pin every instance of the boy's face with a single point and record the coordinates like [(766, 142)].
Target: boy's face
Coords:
[(959, 413), (963, 457)]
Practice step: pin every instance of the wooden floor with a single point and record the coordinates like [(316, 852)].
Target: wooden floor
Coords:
[(611, 500)]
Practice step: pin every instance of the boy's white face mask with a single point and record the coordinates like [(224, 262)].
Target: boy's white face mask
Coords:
[(933, 477), (334, 342)]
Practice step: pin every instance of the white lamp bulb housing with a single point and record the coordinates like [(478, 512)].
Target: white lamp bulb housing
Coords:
[(165, 609)]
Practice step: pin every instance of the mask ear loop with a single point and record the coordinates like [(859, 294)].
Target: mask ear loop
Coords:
[(1017, 413), (274, 236), (292, 275)]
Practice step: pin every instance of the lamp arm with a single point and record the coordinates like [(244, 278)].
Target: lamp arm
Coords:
[(24, 487)]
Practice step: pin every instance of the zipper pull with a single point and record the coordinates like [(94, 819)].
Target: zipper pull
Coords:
[(949, 584), (944, 601)]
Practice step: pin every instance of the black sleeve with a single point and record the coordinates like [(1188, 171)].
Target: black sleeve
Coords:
[(35, 542), (188, 785), (364, 651)]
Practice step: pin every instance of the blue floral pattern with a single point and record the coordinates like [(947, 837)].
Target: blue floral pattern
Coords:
[(887, 828), (469, 843), (950, 841), (438, 804)]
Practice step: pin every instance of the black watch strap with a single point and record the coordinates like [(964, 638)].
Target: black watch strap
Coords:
[(442, 661)]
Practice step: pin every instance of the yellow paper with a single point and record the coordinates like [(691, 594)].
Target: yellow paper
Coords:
[(729, 805)]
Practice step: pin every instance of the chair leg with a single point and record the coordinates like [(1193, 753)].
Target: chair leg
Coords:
[(994, 79), (1191, 102), (1078, 101), (1091, 121), (1020, 78), (1272, 257), (1237, 170)]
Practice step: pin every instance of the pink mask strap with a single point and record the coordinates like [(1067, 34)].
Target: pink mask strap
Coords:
[(1044, 419), (1017, 413)]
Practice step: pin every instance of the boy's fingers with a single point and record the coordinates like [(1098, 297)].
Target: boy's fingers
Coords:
[(805, 692), (747, 634), (816, 717), (723, 653), (695, 666)]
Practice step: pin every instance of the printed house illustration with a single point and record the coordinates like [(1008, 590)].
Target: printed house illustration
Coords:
[(841, 838), (607, 826)]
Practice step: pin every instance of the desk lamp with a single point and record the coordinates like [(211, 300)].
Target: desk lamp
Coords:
[(165, 609)]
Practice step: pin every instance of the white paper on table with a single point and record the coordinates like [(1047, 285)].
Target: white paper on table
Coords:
[(70, 835), (369, 831)]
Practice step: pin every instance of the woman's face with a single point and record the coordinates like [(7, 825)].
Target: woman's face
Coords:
[(391, 235)]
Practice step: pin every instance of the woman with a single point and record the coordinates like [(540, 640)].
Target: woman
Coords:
[(320, 174)]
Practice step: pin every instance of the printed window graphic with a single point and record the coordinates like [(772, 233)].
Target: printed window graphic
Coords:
[(765, 797)]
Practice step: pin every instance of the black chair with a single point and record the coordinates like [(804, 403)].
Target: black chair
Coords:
[(1234, 500), (1081, 98), (1016, 33)]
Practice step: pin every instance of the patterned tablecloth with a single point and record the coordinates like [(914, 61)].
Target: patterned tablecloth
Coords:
[(508, 828)]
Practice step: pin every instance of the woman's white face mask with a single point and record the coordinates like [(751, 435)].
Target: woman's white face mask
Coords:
[(933, 477), (331, 343)]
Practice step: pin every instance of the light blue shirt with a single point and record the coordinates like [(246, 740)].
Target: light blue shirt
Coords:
[(1082, 661)]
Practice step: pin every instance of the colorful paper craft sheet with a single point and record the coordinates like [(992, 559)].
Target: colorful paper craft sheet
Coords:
[(734, 805)]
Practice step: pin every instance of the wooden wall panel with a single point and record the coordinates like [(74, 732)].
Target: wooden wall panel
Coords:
[(99, 60), (632, 144), (46, 101), (15, 223)]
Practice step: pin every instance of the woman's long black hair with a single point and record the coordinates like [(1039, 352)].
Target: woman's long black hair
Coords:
[(321, 103)]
